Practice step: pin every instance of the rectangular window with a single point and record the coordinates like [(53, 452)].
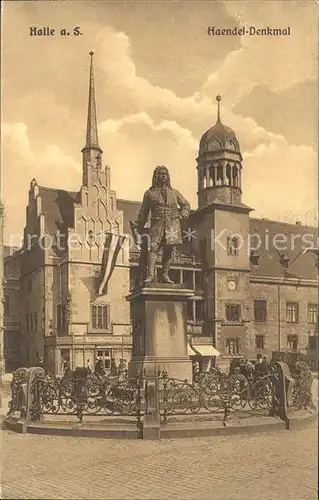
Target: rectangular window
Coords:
[(190, 310), (199, 280), (65, 358), (31, 323), (6, 305), (232, 312), (292, 342), (313, 343), (313, 314), (233, 346), (105, 355), (260, 342), (232, 245), (35, 322), (100, 316), (175, 276), (60, 317), (260, 310), (292, 312), (199, 311), (27, 323), (65, 355), (188, 279)]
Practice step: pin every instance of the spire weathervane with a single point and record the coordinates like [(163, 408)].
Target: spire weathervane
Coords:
[(218, 99)]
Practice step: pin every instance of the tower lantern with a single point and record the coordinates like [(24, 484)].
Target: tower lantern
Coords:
[(219, 164)]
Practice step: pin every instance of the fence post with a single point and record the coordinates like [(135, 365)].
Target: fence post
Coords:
[(284, 392), (34, 397), (25, 400), (151, 420)]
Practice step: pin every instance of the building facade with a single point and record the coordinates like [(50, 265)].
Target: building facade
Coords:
[(248, 299)]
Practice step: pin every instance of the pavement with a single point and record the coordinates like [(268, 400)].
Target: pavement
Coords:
[(275, 466)]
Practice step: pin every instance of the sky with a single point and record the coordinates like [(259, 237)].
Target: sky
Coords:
[(157, 73)]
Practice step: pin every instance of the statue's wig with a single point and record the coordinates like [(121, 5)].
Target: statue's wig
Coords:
[(156, 173)]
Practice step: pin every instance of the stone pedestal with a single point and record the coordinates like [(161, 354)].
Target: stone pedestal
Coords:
[(159, 314)]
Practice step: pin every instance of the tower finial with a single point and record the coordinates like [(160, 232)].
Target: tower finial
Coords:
[(218, 99), (91, 130)]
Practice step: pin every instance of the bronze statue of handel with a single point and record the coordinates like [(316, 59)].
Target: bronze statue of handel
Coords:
[(167, 207)]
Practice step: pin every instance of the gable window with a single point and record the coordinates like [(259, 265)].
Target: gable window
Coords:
[(233, 346), (100, 316), (292, 312), (260, 342), (313, 314), (292, 342), (232, 245), (260, 310), (232, 312)]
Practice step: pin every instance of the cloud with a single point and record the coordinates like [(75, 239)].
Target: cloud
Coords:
[(278, 62), (132, 160), (22, 161), (281, 182), (143, 124), (278, 178)]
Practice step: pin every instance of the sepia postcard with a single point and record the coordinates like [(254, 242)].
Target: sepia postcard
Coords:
[(159, 252)]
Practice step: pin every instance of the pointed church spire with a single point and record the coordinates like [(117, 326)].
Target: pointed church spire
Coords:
[(218, 99), (92, 141)]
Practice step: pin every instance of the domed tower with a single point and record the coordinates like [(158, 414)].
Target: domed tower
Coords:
[(219, 165), (222, 240)]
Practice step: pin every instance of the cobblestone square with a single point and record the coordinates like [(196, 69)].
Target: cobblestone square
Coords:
[(273, 466)]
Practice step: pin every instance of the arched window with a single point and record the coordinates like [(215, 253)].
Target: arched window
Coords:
[(211, 175), (235, 176), (220, 175), (228, 175)]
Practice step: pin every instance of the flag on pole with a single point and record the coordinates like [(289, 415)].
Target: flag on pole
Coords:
[(112, 245)]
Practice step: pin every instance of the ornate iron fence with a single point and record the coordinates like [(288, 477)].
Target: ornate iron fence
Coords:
[(302, 386), (18, 394), (79, 396), (35, 393), (217, 392)]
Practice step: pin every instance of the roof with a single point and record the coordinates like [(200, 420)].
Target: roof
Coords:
[(130, 211), (278, 238), (219, 137), (270, 234), (57, 206)]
